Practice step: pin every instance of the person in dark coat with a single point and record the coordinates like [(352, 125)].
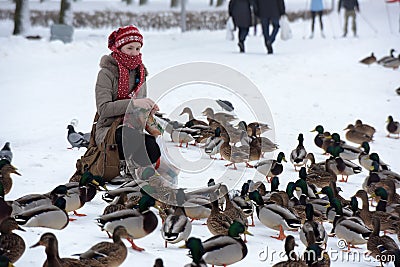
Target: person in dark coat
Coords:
[(240, 12), (269, 12), (350, 8)]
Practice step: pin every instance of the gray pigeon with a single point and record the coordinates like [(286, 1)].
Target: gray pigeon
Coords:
[(225, 104), (5, 152), (77, 139)]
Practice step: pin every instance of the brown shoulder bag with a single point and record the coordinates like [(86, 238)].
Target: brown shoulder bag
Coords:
[(103, 159)]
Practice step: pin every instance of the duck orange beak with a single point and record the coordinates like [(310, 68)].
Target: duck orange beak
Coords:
[(37, 244)]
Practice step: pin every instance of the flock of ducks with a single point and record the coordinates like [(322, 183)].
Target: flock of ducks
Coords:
[(390, 61), (305, 206)]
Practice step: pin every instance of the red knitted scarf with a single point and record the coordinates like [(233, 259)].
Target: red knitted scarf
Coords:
[(125, 64)]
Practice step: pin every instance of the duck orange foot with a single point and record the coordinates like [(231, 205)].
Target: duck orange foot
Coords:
[(281, 235), (134, 245), (79, 214)]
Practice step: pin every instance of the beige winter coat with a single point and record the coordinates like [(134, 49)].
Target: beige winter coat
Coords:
[(106, 95)]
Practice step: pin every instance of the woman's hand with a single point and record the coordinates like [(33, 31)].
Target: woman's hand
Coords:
[(147, 104)]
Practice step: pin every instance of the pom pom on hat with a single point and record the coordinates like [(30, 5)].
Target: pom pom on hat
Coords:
[(123, 36)]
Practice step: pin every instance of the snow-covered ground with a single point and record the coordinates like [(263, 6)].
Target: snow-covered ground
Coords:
[(306, 82)]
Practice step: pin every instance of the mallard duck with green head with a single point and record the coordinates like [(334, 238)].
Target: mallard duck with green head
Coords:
[(351, 229), (393, 198), (316, 230), (346, 152), (303, 190), (330, 211), (298, 156), (385, 172), (271, 167), (382, 196), (323, 138), (365, 159), (224, 250), (29, 201), (310, 190), (5, 262), (393, 127), (339, 166), (388, 220), (314, 255), (383, 167), (274, 216), (244, 203), (49, 216), (177, 226), (138, 222), (78, 194), (196, 252), (213, 143), (11, 245)]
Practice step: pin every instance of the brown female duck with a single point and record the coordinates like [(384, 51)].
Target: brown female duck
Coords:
[(393, 127), (364, 128), (6, 169), (379, 246), (108, 254), (388, 221), (234, 154), (11, 245), (50, 242), (218, 223), (292, 261), (355, 136), (5, 207)]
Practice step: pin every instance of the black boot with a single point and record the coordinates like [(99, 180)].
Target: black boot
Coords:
[(241, 46), (269, 47)]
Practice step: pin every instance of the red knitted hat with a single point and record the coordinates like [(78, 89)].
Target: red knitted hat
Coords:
[(123, 36)]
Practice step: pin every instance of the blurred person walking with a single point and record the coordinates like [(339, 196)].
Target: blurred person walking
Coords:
[(269, 12), (317, 9), (350, 8), (240, 11)]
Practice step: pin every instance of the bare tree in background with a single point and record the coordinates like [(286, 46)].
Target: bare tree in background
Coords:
[(211, 2), (143, 2), (66, 14), (22, 21), (175, 3), (220, 2)]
